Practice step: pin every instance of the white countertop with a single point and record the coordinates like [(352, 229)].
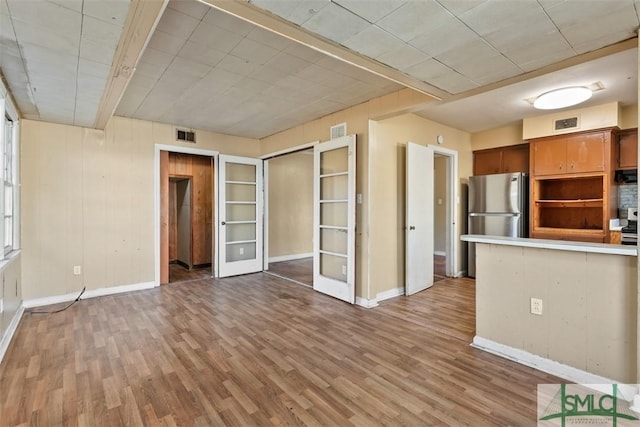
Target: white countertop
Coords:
[(560, 245)]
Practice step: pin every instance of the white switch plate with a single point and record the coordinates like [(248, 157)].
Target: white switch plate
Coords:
[(77, 270), (359, 198), (241, 251), (536, 306)]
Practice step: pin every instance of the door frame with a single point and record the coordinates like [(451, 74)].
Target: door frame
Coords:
[(156, 201), (265, 182), (453, 202)]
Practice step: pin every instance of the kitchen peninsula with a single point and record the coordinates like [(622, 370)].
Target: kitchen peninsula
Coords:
[(587, 296)]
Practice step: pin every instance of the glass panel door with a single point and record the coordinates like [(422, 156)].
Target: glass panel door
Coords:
[(334, 218), (240, 192)]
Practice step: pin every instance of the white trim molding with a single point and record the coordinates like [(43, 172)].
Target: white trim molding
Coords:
[(366, 303), (11, 330), (540, 363), (291, 257), (391, 293), (92, 293)]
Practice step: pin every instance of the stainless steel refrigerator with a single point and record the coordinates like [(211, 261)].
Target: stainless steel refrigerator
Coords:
[(498, 206)]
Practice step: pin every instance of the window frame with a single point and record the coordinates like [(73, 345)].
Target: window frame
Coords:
[(8, 113)]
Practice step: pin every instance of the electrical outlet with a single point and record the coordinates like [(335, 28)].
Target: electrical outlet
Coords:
[(344, 270), (241, 251), (77, 270), (536, 306)]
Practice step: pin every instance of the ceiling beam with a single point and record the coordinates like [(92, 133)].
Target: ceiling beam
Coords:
[(270, 22), (141, 21)]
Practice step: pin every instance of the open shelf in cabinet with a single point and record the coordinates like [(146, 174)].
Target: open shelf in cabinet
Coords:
[(569, 205)]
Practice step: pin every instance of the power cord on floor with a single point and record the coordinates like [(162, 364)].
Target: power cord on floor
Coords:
[(62, 309)]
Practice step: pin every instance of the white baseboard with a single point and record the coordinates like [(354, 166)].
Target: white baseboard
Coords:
[(391, 293), (291, 257), (91, 293), (440, 253), (461, 273), (371, 303), (11, 330), (540, 363), (366, 303)]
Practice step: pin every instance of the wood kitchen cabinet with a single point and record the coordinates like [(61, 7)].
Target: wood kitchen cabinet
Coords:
[(512, 158), (574, 153), (573, 194), (627, 148)]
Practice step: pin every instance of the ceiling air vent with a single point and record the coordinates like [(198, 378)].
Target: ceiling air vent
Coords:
[(569, 123), (185, 135), (338, 130)]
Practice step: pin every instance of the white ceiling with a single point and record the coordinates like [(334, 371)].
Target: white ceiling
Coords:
[(56, 55), (206, 69), (209, 70)]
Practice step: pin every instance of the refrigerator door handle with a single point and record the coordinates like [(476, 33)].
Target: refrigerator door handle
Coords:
[(494, 214)]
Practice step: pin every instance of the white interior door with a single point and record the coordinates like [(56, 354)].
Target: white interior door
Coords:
[(419, 207), (334, 216), (240, 215)]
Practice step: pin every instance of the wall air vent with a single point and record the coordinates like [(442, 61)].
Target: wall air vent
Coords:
[(185, 135), (568, 123), (338, 130)]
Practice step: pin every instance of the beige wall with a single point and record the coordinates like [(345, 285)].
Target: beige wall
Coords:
[(589, 306), (497, 137), (291, 204), (387, 181), (629, 117), (439, 204), (87, 199)]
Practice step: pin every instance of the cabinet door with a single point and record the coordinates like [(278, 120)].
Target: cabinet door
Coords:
[(487, 162), (585, 153), (516, 159), (628, 150), (549, 156)]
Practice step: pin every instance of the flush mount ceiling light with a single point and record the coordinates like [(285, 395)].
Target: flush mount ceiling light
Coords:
[(563, 97)]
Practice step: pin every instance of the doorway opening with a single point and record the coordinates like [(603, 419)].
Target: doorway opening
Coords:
[(445, 212), (186, 216), (441, 164), (289, 197)]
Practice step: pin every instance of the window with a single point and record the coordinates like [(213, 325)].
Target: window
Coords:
[(9, 183)]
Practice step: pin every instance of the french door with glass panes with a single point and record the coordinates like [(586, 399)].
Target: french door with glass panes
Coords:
[(239, 215), (334, 218)]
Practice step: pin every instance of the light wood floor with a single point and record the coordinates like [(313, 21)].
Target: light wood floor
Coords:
[(258, 350), (300, 270), (178, 273)]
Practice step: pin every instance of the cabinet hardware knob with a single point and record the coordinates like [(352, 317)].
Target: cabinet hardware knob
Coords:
[(412, 227)]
